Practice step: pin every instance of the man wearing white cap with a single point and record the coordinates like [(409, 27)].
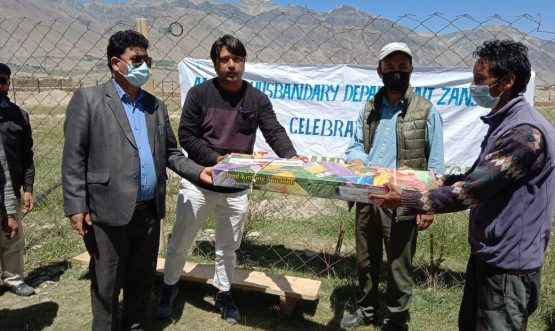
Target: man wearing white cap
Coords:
[(397, 128)]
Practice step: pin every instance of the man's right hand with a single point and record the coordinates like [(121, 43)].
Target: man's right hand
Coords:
[(78, 220), (357, 162), (10, 227), (221, 157), (206, 175)]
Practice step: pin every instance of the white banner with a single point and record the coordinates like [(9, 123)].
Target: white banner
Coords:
[(318, 105)]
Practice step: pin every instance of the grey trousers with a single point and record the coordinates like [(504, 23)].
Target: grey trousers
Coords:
[(11, 254), (123, 258), (496, 299), (377, 228)]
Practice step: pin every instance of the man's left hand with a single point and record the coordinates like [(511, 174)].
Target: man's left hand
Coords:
[(304, 158), (391, 199), (206, 175), (424, 221), (10, 227), (28, 202)]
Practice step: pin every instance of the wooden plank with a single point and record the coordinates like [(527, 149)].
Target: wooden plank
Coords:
[(284, 286), (286, 305)]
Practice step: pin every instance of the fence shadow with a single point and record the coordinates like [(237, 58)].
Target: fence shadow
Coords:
[(433, 275), (321, 264), (277, 256), (343, 297), (34, 317)]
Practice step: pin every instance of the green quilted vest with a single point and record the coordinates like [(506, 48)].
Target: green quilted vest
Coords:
[(411, 128)]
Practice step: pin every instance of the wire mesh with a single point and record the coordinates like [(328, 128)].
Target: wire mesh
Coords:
[(51, 59)]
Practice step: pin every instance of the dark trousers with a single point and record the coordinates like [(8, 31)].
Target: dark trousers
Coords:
[(496, 299), (123, 257), (375, 228)]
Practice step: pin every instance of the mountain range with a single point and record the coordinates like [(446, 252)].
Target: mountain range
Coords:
[(68, 37)]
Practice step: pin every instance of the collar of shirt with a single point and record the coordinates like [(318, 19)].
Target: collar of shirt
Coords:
[(388, 110), (4, 103), (492, 118), (126, 98)]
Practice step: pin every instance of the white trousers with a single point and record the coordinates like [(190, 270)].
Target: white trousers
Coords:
[(194, 205), (11, 254)]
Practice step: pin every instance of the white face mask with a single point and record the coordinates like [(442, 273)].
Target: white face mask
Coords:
[(137, 76), (482, 96)]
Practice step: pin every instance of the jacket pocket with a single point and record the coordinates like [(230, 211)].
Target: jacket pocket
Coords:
[(98, 177), (247, 121)]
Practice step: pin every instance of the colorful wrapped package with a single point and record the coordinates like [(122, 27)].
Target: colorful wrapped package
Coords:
[(316, 179)]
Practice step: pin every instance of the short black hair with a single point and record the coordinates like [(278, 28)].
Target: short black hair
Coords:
[(507, 57), (5, 69), (122, 40), (233, 45)]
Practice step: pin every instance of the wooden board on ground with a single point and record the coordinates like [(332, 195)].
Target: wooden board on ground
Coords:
[(289, 288)]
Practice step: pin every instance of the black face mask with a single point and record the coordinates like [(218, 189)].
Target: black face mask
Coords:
[(396, 81)]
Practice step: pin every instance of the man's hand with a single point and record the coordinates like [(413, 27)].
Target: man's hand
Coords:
[(28, 202), (391, 199), (206, 175), (424, 221), (304, 158), (221, 157), (10, 227), (357, 162), (78, 222)]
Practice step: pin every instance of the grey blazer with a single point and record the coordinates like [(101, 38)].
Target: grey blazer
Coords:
[(101, 161)]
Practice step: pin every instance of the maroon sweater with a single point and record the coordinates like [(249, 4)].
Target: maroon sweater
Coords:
[(215, 122)]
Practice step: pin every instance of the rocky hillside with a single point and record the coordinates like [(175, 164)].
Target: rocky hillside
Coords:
[(272, 33)]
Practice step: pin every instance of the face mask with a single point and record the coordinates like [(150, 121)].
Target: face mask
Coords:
[(481, 95), (137, 76), (397, 81)]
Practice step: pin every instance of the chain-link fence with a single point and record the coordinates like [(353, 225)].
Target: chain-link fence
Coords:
[(50, 59)]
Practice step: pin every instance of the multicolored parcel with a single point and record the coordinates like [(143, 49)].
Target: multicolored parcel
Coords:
[(316, 179)]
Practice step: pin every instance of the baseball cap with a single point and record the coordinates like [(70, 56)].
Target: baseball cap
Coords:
[(394, 47)]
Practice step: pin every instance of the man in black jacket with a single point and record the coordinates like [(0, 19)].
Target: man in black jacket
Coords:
[(219, 117), (15, 131)]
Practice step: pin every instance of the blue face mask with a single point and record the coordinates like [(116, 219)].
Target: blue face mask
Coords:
[(137, 76), (481, 95)]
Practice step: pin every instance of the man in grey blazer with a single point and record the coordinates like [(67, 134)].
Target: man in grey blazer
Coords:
[(118, 143)]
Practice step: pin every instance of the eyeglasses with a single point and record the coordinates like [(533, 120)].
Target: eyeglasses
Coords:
[(138, 60), (235, 58), (4, 81)]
